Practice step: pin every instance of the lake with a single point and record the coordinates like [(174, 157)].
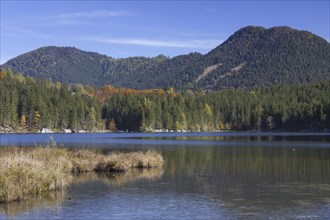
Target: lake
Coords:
[(206, 176)]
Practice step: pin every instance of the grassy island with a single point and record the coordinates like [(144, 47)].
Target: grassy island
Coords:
[(36, 170)]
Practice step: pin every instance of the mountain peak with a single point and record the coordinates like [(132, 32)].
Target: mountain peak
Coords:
[(247, 32), (250, 29)]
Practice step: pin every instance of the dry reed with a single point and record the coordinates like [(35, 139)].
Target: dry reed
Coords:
[(25, 171)]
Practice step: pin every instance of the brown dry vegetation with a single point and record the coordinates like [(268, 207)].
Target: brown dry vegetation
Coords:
[(25, 171), (56, 198)]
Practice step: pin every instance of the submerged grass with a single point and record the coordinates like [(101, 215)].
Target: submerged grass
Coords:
[(25, 171)]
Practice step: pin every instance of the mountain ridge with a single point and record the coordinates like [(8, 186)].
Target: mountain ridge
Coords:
[(252, 56)]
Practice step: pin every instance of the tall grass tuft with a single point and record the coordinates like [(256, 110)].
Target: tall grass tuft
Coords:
[(36, 171), (125, 161), (25, 171)]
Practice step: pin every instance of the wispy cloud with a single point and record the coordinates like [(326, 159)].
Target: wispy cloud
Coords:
[(210, 10), (80, 17), (12, 31), (94, 14), (200, 44)]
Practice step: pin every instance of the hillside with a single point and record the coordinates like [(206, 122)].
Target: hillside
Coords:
[(256, 56), (252, 56)]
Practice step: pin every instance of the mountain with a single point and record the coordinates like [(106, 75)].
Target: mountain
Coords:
[(64, 64), (252, 56), (256, 56)]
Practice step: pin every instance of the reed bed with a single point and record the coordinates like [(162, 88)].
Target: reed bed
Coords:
[(56, 198), (25, 171)]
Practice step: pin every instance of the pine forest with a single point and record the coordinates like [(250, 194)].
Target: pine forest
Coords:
[(28, 104)]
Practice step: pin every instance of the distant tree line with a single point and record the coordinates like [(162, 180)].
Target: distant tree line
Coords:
[(281, 107), (31, 104)]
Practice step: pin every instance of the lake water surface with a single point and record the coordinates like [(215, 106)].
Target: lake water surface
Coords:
[(206, 176)]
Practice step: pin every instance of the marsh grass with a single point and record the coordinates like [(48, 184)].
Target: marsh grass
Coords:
[(25, 171), (55, 198), (125, 161)]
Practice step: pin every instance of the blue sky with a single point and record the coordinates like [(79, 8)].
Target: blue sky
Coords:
[(146, 28)]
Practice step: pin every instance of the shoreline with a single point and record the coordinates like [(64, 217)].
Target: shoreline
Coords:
[(325, 130), (10, 130)]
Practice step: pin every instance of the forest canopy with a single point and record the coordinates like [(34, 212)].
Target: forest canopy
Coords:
[(30, 104)]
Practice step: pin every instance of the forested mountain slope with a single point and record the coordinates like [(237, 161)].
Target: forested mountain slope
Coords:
[(252, 56), (256, 56)]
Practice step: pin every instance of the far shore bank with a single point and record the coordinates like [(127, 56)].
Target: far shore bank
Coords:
[(68, 131), (9, 130)]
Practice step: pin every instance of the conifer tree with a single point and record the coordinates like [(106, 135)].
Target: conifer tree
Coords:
[(91, 118), (23, 121), (36, 121)]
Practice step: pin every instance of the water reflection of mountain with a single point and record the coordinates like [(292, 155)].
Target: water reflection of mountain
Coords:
[(307, 164), (235, 182), (254, 178)]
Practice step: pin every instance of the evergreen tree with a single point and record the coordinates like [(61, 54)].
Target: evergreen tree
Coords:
[(23, 121)]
